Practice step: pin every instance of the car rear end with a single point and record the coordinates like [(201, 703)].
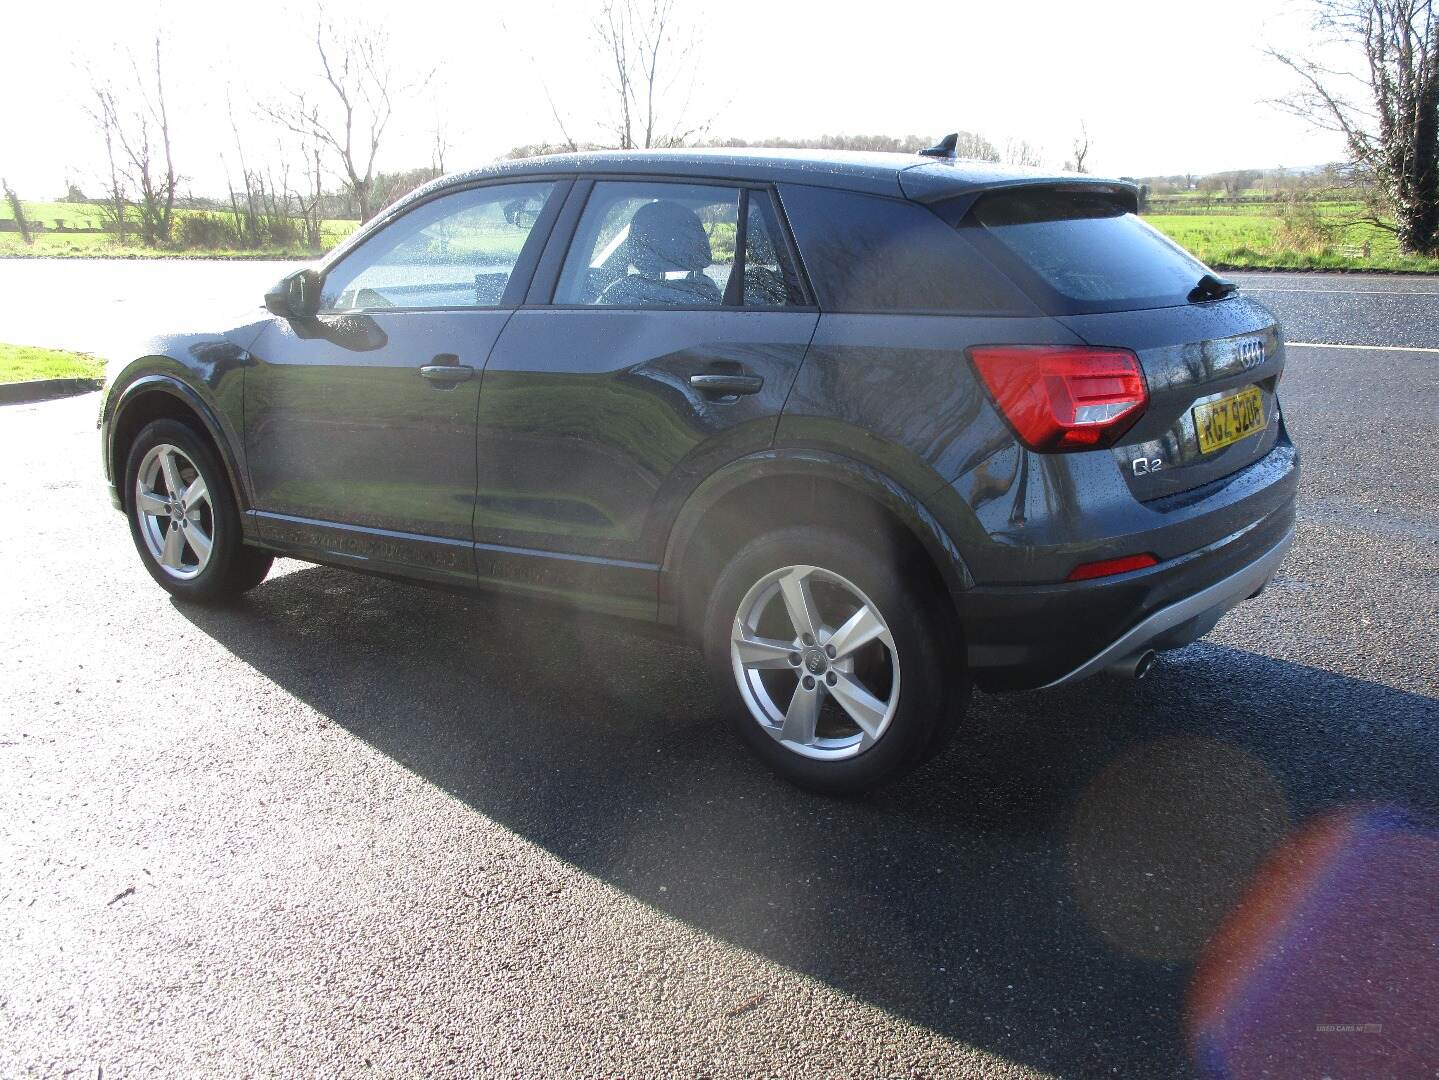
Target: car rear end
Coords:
[(1149, 484)]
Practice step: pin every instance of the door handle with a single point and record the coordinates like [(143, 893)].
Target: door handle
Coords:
[(727, 384), (447, 374)]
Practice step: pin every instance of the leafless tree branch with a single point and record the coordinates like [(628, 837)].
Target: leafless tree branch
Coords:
[(360, 88), (1393, 136), (138, 146)]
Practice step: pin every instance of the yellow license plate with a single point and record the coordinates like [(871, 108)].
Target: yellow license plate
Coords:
[(1219, 423)]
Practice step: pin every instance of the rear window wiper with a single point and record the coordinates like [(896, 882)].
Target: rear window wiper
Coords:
[(1211, 288)]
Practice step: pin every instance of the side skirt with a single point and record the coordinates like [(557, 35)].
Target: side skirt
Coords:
[(608, 586)]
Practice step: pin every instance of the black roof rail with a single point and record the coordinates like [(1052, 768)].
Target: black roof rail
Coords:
[(945, 148)]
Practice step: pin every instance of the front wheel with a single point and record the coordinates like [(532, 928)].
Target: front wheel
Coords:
[(833, 661), (184, 518)]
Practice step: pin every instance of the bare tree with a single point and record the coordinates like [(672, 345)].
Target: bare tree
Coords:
[(112, 210), (1392, 134), (439, 147), (309, 202), (649, 53), (1081, 150), (567, 142), (246, 213), (1022, 152), (142, 136), (975, 147), (360, 88)]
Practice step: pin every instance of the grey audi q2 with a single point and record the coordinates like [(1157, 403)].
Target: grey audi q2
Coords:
[(868, 428)]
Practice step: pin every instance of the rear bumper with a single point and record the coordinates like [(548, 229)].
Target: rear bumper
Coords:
[(1186, 620), (1026, 637)]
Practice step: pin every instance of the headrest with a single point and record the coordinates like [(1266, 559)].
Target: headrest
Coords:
[(665, 236)]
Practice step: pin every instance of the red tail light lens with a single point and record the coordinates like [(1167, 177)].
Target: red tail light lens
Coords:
[(1063, 397), (1106, 567)]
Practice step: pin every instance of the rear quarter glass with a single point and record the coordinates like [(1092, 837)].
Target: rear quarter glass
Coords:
[(867, 253), (1078, 252)]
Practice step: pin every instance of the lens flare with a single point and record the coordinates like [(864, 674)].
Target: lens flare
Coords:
[(1329, 964)]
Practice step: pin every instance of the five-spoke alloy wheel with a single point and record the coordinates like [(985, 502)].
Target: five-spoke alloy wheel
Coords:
[(177, 519), (184, 517), (806, 631), (815, 662)]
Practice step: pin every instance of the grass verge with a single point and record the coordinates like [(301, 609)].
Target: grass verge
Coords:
[(26, 363), (51, 241), (53, 245), (1326, 238)]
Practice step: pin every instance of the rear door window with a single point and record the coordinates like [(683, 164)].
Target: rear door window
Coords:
[(652, 245), (674, 245), (770, 279), (1082, 252)]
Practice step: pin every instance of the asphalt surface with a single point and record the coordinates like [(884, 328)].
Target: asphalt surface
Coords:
[(349, 827), (101, 305), (1358, 309)]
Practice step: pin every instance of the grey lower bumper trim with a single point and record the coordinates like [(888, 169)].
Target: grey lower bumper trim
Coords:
[(1217, 598)]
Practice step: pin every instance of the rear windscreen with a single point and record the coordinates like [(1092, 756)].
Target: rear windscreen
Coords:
[(1086, 251)]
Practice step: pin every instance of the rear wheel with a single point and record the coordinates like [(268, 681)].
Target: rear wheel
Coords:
[(833, 660), (184, 518)]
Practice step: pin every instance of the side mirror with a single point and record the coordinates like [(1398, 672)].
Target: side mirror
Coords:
[(296, 296), (521, 213)]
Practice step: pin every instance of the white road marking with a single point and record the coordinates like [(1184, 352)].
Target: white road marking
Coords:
[(1367, 348), (1343, 292)]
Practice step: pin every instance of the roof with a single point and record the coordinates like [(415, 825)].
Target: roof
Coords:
[(909, 175)]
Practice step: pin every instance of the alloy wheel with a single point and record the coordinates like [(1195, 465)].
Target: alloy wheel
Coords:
[(174, 512), (815, 662)]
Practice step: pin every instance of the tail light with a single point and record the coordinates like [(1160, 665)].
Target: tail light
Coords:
[(1063, 397)]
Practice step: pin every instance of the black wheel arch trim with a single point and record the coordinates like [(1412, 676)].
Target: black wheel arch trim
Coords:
[(865, 480), (206, 413)]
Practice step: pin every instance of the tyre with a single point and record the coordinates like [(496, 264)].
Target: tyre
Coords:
[(837, 669), (184, 518)]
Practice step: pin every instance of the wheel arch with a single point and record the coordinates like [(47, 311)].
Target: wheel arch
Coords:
[(780, 488), (157, 397)]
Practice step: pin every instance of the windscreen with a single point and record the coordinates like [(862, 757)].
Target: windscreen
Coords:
[(1086, 251)]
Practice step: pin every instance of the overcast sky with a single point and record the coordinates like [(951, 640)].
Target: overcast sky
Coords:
[(1163, 88)]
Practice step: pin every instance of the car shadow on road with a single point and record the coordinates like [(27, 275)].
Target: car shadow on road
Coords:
[(1040, 891)]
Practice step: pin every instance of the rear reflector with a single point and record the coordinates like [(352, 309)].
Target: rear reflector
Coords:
[(1106, 567), (1063, 397)]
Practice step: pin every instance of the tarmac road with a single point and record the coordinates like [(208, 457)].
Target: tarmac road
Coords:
[(1360, 309), (354, 828)]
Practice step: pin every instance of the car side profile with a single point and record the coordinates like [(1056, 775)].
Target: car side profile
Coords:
[(869, 428)]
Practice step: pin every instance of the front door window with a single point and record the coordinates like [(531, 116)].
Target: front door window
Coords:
[(457, 251)]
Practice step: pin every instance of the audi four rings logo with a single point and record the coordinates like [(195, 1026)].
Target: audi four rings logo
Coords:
[(1251, 353)]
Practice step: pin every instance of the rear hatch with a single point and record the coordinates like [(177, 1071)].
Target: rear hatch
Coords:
[(1211, 358)]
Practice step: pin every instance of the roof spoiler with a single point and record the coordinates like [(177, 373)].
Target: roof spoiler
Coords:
[(953, 204)]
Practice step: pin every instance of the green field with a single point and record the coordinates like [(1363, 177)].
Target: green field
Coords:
[(1272, 235), (75, 215), (24, 363), (51, 244), (1308, 236)]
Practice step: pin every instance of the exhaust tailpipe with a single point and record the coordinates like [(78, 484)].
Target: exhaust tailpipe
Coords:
[(1135, 666)]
